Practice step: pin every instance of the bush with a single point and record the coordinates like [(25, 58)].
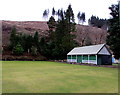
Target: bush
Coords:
[(18, 49), (33, 50)]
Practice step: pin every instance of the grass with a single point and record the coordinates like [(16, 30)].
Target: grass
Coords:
[(115, 64), (53, 77)]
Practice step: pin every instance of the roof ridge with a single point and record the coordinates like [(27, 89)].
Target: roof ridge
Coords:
[(90, 45), (92, 49), (101, 47)]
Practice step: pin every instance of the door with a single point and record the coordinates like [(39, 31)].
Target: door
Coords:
[(99, 62), (79, 59)]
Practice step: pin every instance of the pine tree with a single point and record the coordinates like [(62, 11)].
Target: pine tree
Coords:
[(97, 22), (81, 17), (69, 15), (18, 49), (46, 13), (36, 38), (78, 16), (113, 39), (61, 35), (64, 33), (13, 40), (53, 11), (51, 23)]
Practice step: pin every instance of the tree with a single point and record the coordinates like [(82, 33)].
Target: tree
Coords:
[(78, 16), (81, 17), (18, 40), (13, 40), (69, 15), (28, 42), (64, 34), (98, 22), (81, 35), (46, 13), (113, 39), (36, 39), (18, 49), (61, 35), (51, 23), (33, 50), (53, 11)]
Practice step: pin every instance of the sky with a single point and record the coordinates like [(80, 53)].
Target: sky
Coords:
[(32, 10)]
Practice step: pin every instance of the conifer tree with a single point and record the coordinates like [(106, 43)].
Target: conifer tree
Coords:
[(53, 11), (13, 40), (113, 39)]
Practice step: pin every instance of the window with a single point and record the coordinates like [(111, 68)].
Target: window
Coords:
[(85, 57), (69, 57), (92, 57)]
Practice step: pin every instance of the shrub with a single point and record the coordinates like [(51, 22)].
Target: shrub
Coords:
[(18, 49), (33, 50)]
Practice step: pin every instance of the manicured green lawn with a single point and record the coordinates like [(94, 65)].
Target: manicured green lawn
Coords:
[(53, 77)]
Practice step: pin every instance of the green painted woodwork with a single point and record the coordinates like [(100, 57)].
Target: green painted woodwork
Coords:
[(92, 57), (99, 61), (73, 56), (85, 57), (69, 57), (79, 58)]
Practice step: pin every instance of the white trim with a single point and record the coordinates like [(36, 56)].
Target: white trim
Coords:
[(104, 51), (88, 58), (82, 58), (92, 61), (76, 58), (96, 59)]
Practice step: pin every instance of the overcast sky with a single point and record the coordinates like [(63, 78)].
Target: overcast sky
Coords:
[(32, 10)]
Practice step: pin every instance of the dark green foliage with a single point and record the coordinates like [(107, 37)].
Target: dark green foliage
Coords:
[(64, 33), (25, 41), (97, 22), (33, 50), (51, 23), (18, 49), (69, 15), (61, 35), (113, 39), (36, 39), (13, 39)]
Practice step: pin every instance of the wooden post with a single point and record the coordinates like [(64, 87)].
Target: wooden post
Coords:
[(82, 58), (76, 58), (88, 59), (96, 59), (67, 58)]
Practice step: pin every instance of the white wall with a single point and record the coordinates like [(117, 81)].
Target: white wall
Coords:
[(89, 61), (71, 60), (104, 51)]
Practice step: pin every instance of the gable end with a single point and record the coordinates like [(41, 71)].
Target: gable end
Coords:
[(104, 51)]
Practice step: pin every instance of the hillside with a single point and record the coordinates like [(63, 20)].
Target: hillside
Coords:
[(84, 35)]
